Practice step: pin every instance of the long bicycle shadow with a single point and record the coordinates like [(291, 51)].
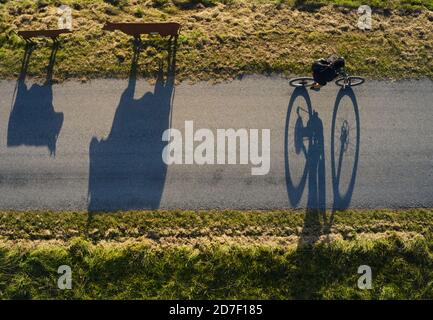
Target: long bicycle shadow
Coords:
[(345, 140), (126, 169), (33, 120), (305, 159)]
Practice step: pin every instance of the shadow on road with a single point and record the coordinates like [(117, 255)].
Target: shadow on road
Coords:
[(305, 159), (126, 169), (345, 140), (33, 121)]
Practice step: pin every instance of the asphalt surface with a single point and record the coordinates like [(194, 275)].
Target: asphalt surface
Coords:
[(97, 145)]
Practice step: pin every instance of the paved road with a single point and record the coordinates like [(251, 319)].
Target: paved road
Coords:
[(98, 145)]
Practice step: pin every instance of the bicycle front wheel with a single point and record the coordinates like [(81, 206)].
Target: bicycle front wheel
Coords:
[(301, 82), (349, 81)]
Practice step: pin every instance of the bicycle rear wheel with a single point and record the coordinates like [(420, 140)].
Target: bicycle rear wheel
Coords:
[(301, 82), (349, 81)]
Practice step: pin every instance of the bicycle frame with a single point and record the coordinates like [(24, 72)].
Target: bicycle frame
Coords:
[(342, 72)]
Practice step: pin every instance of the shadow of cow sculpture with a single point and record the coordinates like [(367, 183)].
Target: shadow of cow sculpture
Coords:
[(126, 169), (33, 121)]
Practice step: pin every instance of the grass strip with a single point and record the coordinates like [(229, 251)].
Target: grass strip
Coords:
[(222, 40), (401, 270)]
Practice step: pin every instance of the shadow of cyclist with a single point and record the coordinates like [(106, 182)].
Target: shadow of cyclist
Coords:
[(305, 140), (33, 121), (316, 203)]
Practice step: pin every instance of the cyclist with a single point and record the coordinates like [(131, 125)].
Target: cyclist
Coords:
[(325, 70)]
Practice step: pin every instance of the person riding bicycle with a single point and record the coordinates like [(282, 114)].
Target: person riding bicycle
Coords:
[(325, 70)]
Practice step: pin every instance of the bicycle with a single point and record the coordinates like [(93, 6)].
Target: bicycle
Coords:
[(344, 80)]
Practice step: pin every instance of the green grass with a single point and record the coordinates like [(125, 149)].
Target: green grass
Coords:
[(217, 254), (401, 270), (225, 39), (383, 4)]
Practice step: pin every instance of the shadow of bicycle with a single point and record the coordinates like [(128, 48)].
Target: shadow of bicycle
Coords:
[(305, 159), (345, 141)]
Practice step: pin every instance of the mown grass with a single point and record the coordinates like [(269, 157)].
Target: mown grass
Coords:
[(225, 39), (127, 255), (156, 225)]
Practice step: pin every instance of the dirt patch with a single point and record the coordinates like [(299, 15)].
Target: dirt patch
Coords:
[(292, 241)]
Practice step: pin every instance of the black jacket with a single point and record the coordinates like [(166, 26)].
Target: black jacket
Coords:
[(325, 70)]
